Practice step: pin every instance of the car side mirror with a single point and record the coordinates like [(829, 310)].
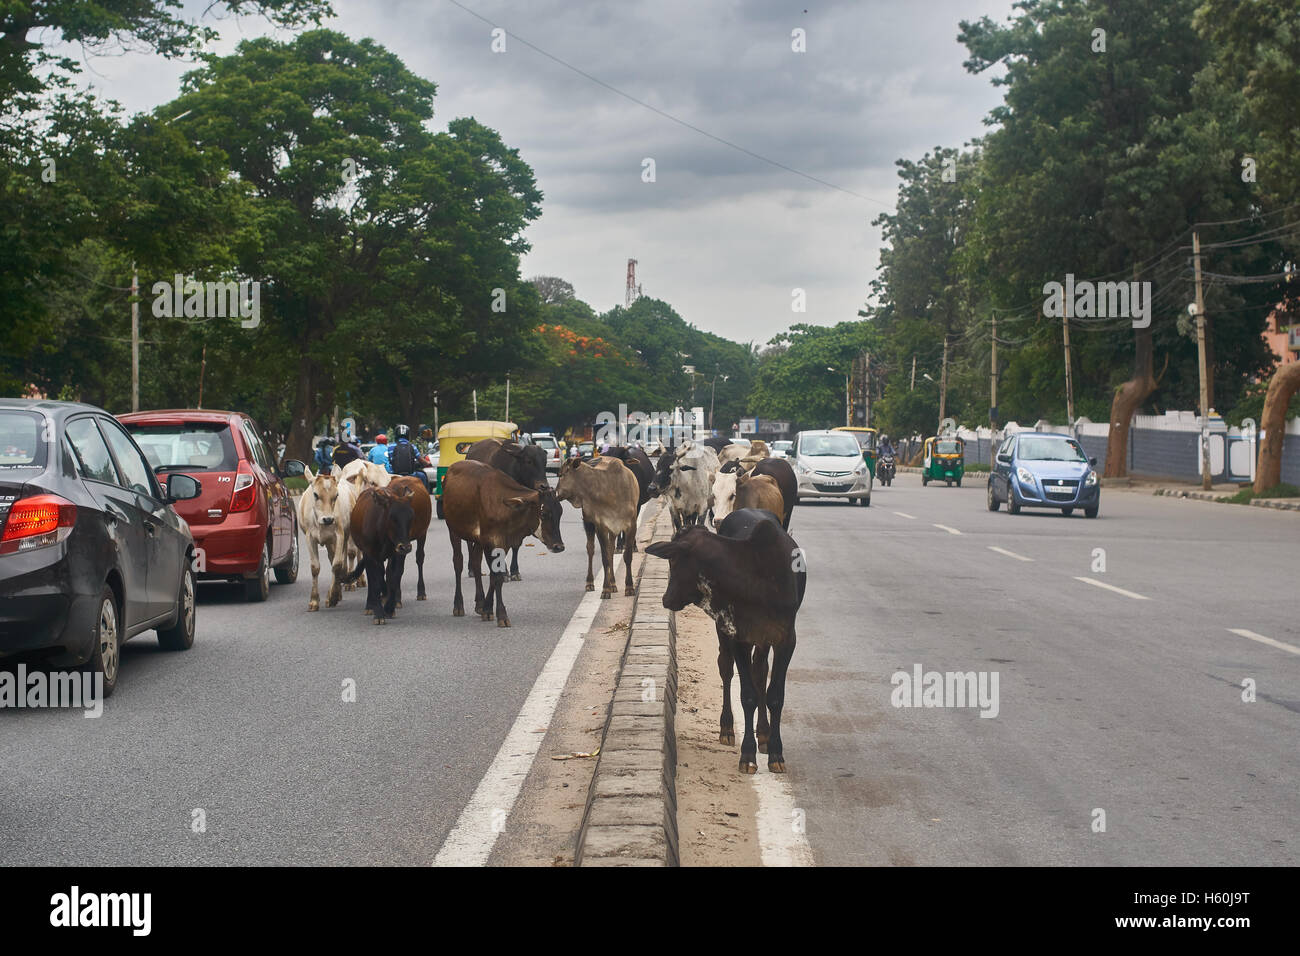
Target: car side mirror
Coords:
[(1004, 459), (1092, 461), (292, 468), (182, 488)]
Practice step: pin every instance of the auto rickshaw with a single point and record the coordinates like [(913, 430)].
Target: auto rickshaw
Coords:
[(944, 460), (866, 441), (454, 439)]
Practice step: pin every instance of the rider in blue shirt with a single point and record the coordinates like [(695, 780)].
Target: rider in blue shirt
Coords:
[(379, 454)]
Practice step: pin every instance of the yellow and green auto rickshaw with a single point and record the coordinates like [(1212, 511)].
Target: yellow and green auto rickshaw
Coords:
[(454, 439), (866, 438), (944, 460)]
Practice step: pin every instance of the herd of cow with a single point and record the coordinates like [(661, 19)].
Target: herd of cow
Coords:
[(748, 574)]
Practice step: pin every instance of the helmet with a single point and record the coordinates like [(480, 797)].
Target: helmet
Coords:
[(381, 439), (402, 431)]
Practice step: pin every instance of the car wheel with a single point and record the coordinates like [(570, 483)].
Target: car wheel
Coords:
[(994, 504), (1013, 506), (287, 573), (1090, 512), (106, 656), (1066, 512), (180, 636), (438, 508), (259, 588)]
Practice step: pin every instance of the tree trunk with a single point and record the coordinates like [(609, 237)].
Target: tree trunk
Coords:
[(1272, 426), (298, 444), (1128, 398)]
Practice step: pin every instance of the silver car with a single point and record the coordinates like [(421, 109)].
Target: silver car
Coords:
[(830, 465)]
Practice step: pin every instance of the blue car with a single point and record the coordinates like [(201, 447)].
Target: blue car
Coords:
[(1036, 470)]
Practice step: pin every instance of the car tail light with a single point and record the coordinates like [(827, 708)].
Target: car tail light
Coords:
[(245, 494), (36, 522)]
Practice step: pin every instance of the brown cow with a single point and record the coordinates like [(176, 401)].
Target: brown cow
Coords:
[(760, 491), (607, 492), (381, 527), (780, 470), (493, 513), (422, 507)]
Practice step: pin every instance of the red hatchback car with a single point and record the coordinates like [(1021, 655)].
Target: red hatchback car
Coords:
[(244, 521)]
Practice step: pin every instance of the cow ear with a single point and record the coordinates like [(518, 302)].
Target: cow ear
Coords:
[(686, 468), (730, 466), (520, 502), (667, 549), (765, 532)]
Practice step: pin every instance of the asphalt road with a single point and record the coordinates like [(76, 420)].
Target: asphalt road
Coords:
[(250, 727), (1126, 703)]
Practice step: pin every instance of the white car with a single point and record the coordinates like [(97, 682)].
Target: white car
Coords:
[(551, 445), (829, 464), (781, 449)]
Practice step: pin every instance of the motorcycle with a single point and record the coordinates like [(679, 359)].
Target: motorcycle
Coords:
[(885, 470)]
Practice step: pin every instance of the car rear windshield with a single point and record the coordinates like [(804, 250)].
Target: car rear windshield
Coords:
[(192, 446), (1050, 449), (545, 442), (841, 445), (20, 440)]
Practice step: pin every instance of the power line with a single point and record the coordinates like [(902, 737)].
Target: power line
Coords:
[(666, 115)]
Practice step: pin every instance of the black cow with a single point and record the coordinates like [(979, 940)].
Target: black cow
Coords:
[(717, 443), (381, 529), (526, 464), (750, 578)]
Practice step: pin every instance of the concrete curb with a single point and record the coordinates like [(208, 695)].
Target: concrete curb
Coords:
[(1281, 504), (631, 814)]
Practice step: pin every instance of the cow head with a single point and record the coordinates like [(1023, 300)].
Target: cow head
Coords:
[(566, 488), (325, 491), (684, 570), (396, 516), (725, 483), (548, 518)]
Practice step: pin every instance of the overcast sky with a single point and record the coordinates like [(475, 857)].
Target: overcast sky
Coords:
[(720, 235)]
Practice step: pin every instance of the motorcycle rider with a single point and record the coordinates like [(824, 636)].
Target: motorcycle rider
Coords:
[(404, 457), (346, 451), (379, 454), (325, 455)]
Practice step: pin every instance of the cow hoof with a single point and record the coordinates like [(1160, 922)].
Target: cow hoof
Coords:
[(515, 577), (380, 620), (591, 587), (485, 617), (458, 612), (776, 766), (503, 622), (727, 737), (629, 592), (420, 597), (314, 606), (368, 611), (399, 604), (604, 595), (748, 766)]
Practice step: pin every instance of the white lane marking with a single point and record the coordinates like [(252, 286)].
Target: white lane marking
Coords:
[(904, 514), (471, 840), (781, 837), (1010, 554), (1111, 587), (1281, 645), (948, 529)]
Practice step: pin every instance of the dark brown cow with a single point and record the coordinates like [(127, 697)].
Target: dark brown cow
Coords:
[(750, 578), (606, 491), (493, 513), (526, 464), (782, 473), (381, 528), (422, 507)]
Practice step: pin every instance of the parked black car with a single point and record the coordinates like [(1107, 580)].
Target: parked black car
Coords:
[(91, 552)]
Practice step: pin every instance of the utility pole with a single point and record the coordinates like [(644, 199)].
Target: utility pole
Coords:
[(135, 339), (943, 381), (1200, 353), (476, 404), (1069, 382), (993, 378), (435, 413), (866, 386), (848, 401), (507, 396), (913, 385), (203, 367)]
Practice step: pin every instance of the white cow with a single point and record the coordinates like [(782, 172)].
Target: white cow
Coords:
[(690, 484), (324, 514)]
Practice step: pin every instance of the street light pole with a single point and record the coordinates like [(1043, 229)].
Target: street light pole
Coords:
[(1200, 352), (135, 339)]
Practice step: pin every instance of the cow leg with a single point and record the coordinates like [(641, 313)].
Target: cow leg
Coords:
[(590, 528), (514, 565), (606, 563), (781, 655), (393, 584), (419, 564), (457, 564), (338, 566), (628, 547), (726, 725), (498, 582), (748, 701), (313, 603), (496, 571), (677, 521), (759, 671), (476, 569), (375, 588)]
